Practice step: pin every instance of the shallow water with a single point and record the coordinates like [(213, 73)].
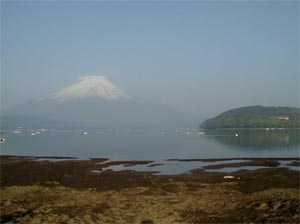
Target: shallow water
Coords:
[(154, 144), (180, 167)]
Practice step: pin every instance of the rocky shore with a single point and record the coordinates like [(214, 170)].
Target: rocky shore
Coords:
[(67, 191)]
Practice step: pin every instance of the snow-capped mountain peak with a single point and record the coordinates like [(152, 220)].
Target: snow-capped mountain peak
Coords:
[(90, 87)]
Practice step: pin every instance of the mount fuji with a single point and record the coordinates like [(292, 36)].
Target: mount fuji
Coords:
[(93, 102), (89, 87)]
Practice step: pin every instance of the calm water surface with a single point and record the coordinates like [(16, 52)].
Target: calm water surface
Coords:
[(157, 145), (154, 144)]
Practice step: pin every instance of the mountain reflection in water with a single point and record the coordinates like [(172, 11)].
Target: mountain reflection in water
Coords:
[(257, 139)]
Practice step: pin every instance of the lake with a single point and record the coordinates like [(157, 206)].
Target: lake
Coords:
[(153, 144)]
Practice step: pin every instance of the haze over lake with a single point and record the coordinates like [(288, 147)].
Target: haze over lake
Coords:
[(154, 144), (106, 65), (149, 112), (199, 57)]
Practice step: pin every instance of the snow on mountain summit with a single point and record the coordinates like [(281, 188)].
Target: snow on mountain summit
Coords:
[(90, 87)]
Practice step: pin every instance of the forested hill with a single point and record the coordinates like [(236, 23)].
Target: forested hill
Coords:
[(255, 117)]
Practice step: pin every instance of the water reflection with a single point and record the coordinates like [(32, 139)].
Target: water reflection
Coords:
[(257, 139), (150, 144)]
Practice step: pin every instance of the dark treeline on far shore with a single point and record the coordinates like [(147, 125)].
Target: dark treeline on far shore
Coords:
[(255, 117)]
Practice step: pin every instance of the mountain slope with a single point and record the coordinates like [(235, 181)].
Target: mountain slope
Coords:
[(96, 102), (255, 117), (89, 87)]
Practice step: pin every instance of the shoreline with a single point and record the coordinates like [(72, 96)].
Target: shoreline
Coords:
[(167, 167), (206, 164), (266, 128), (37, 191), (172, 159)]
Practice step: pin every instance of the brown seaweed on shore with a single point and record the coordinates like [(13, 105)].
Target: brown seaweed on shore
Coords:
[(266, 163), (68, 192)]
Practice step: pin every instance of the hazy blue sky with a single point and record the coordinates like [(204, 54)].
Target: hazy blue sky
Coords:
[(199, 57)]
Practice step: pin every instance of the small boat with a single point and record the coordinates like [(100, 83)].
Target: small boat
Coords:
[(32, 133), (85, 133), (17, 132), (201, 132)]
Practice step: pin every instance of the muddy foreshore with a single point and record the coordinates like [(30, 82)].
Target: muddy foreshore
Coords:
[(67, 191)]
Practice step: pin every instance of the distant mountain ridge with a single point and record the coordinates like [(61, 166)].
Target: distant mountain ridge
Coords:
[(89, 87), (255, 117), (94, 101)]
